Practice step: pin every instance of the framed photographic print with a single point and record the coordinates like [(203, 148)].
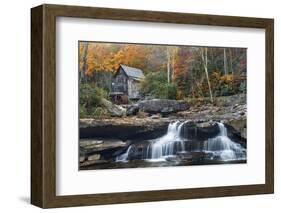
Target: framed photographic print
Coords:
[(137, 106)]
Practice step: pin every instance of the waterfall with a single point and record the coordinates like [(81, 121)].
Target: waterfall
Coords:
[(223, 147), (169, 144), (220, 148), (124, 156)]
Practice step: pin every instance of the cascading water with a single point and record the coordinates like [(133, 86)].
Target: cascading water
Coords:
[(168, 144), (124, 156), (223, 147)]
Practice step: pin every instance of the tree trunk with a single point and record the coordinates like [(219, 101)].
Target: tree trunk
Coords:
[(84, 59), (173, 65), (224, 61), (230, 61), (205, 64), (168, 66)]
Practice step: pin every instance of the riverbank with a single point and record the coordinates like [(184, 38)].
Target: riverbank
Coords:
[(103, 140)]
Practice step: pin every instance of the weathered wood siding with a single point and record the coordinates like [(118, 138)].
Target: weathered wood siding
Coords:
[(126, 85), (133, 89), (120, 82)]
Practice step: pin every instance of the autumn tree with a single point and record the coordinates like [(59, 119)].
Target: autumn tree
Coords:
[(131, 55), (182, 75), (204, 57), (193, 71), (83, 50)]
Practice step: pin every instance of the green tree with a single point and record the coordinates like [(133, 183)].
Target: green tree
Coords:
[(90, 99), (156, 85)]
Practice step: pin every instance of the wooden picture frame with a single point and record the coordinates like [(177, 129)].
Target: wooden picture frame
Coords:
[(43, 105)]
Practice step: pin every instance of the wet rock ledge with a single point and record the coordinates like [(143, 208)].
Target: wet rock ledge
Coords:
[(124, 128), (105, 139)]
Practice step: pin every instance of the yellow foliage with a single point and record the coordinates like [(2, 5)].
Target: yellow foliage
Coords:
[(180, 95), (216, 74), (227, 78)]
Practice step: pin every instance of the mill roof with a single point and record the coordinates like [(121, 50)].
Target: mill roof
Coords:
[(132, 72)]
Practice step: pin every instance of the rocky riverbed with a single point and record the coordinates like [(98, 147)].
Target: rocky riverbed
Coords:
[(131, 136)]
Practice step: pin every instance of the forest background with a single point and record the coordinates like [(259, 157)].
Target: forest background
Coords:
[(171, 72)]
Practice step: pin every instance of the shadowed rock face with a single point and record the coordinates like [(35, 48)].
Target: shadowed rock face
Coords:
[(237, 131), (149, 128), (123, 128), (123, 132), (202, 131), (199, 131)]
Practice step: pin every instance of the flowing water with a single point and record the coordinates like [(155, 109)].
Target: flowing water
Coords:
[(167, 145), (124, 156), (172, 144), (223, 147)]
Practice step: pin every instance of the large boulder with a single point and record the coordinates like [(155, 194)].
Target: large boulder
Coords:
[(237, 130), (113, 109), (132, 109), (232, 100), (93, 149), (199, 131), (163, 106), (238, 125)]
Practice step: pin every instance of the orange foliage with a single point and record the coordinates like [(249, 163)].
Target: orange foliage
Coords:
[(131, 55), (101, 57)]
